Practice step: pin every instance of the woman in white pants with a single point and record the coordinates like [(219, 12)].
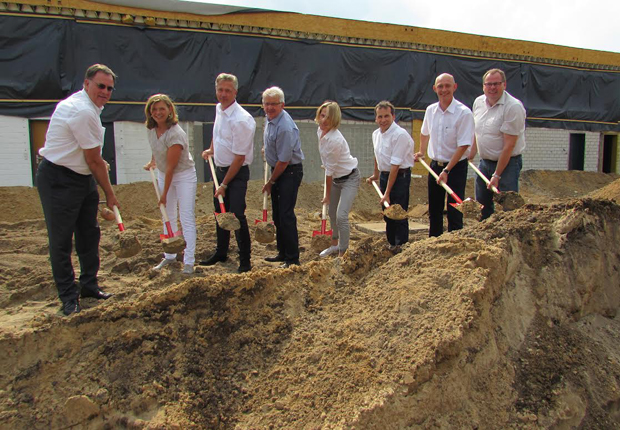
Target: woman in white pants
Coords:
[(176, 173), (342, 175)]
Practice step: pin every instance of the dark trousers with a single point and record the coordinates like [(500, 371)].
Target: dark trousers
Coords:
[(508, 182), (283, 200), (397, 231), (457, 180), (234, 201), (70, 203)]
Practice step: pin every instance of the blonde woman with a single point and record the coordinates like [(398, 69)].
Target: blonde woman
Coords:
[(176, 173), (342, 175)]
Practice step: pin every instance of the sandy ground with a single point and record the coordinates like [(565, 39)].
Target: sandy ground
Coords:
[(509, 323)]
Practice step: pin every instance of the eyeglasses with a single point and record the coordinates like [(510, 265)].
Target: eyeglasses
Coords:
[(104, 87), (493, 84), (271, 104)]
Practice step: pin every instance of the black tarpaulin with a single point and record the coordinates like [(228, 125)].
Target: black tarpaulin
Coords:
[(43, 60)]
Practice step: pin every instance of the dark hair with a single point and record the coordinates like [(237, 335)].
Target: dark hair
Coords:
[(385, 104), (96, 68)]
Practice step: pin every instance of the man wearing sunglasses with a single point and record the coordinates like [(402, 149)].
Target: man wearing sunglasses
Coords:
[(500, 138), (67, 180)]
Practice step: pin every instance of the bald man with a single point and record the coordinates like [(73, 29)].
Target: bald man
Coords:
[(447, 132)]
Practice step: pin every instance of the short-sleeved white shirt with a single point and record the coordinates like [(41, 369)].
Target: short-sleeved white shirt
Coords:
[(448, 130), (74, 127), (394, 147), (507, 116), (233, 134), (335, 154), (159, 147)]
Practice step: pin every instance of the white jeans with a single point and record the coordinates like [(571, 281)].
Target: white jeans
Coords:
[(182, 194)]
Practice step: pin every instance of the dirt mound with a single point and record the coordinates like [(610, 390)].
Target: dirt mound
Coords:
[(508, 323), (611, 192), (546, 185)]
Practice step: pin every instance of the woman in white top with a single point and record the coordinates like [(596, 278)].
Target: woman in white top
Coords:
[(176, 173), (342, 175)]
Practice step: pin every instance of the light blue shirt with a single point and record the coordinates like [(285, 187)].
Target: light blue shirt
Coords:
[(281, 141)]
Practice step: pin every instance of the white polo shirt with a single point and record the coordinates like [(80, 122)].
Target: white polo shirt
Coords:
[(506, 116), (233, 134), (394, 147), (74, 127), (448, 130), (335, 154)]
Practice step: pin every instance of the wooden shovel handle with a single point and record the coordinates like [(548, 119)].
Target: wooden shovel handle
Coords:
[(215, 182), (483, 177), (445, 186), (374, 184)]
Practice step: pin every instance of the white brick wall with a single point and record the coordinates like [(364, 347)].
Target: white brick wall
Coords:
[(548, 149), (133, 150), (15, 163)]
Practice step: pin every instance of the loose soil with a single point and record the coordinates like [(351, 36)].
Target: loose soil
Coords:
[(509, 323)]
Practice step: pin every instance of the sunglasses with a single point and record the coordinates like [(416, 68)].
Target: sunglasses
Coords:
[(104, 87)]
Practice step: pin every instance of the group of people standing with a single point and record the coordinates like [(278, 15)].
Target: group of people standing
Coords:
[(72, 167)]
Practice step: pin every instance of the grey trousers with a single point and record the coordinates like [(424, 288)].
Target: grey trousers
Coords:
[(340, 201)]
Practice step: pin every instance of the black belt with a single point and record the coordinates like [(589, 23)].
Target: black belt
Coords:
[(225, 168), (346, 176), (406, 169), (58, 167), (495, 161), (442, 164)]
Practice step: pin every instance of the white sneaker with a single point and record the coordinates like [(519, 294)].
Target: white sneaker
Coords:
[(329, 251), (165, 262), (188, 269)]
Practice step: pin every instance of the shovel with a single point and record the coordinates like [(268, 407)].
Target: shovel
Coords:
[(172, 243), (264, 198), (395, 212), (484, 178), (265, 231), (226, 220), (509, 200), (469, 207), (128, 245), (322, 238)]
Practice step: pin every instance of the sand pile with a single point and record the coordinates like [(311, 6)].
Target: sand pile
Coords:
[(509, 323)]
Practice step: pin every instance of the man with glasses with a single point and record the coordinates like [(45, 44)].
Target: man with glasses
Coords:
[(67, 180), (282, 147), (500, 139)]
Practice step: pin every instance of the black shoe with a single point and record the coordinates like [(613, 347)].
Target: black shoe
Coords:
[(215, 258), (244, 268), (71, 307), (288, 264), (275, 259), (99, 294)]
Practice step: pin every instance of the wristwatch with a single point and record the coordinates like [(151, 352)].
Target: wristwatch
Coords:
[(446, 171), (224, 186), (495, 175)]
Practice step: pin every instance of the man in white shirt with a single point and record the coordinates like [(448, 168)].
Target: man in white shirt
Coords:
[(447, 132), (232, 149), (67, 179), (393, 148), (500, 138)]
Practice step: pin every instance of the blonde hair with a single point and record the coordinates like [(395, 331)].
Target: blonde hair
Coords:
[(172, 119), (334, 116)]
